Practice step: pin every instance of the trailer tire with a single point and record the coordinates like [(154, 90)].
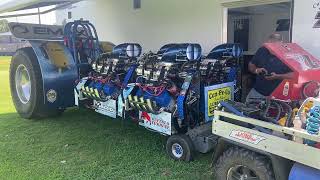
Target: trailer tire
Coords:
[(180, 147), (239, 162), (28, 99)]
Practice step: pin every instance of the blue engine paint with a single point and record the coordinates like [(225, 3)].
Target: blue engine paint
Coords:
[(62, 82), (163, 100), (229, 49), (109, 89), (129, 75), (166, 47), (230, 108), (182, 96), (182, 52), (299, 172), (202, 104), (98, 86), (127, 50), (91, 84), (232, 76), (180, 105)]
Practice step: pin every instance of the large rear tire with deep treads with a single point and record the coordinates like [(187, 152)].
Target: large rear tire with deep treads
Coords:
[(27, 87)]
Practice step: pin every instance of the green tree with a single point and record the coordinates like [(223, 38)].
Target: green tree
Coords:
[(4, 27)]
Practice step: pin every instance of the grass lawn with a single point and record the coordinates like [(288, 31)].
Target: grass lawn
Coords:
[(83, 145)]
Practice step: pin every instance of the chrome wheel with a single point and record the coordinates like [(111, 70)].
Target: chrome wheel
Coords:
[(177, 150), (241, 173), (23, 84)]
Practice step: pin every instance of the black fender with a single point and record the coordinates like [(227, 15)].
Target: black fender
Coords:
[(281, 166)]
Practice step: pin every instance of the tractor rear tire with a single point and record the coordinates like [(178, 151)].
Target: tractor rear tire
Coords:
[(180, 147), (239, 163), (27, 87)]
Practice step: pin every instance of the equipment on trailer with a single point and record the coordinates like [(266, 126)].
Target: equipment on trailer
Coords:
[(269, 110), (274, 148)]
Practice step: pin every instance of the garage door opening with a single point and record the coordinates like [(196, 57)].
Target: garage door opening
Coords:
[(251, 26)]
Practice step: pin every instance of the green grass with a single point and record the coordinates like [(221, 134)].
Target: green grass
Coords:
[(83, 145)]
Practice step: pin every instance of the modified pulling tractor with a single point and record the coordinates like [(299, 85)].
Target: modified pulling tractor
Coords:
[(177, 92), (165, 91)]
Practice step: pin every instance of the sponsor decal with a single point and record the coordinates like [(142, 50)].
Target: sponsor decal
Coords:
[(217, 95), (51, 96), (316, 6), (145, 116), (107, 108), (286, 89), (185, 85), (246, 136), (36, 31), (305, 62), (18, 28), (21, 29), (158, 122)]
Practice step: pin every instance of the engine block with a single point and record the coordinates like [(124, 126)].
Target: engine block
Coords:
[(160, 77), (111, 72)]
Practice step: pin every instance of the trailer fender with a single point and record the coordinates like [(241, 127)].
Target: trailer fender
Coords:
[(281, 166)]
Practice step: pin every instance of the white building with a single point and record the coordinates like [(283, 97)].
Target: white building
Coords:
[(163, 21), (207, 22)]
